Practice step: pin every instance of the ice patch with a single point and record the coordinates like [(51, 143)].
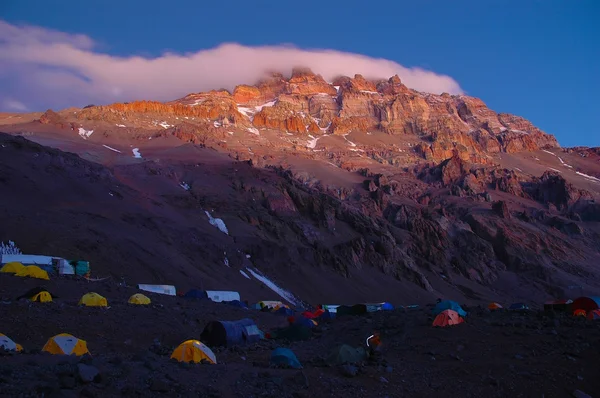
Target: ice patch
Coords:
[(253, 130), (289, 297), (247, 256), (226, 261), (516, 168), (369, 92), (120, 125), (592, 178), (217, 222), (245, 274), (112, 149), (230, 132), (185, 186), (313, 142), (164, 125), (349, 142), (136, 153), (555, 170), (85, 134), (543, 150), (337, 88), (216, 124), (564, 164)]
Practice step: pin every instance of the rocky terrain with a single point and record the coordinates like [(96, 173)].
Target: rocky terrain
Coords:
[(494, 354), (313, 192)]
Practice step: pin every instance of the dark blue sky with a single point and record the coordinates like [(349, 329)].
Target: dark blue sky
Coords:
[(539, 59)]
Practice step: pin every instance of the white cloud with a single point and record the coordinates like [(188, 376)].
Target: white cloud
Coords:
[(14, 105), (56, 69)]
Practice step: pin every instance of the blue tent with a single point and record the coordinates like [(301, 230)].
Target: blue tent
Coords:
[(325, 316), (300, 320), (448, 305), (230, 333), (285, 357), (196, 294), (518, 306), (387, 306), (284, 311), (236, 303)]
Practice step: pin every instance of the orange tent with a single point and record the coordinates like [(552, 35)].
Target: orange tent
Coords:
[(579, 312), (447, 318), (494, 306)]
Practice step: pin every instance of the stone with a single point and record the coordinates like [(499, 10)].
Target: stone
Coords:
[(158, 385)]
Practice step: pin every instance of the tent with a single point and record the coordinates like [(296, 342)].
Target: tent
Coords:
[(139, 299), (313, 315), (196, 294), (518, 306), (93, 300), (65, 344), (387, 306), (236, 303), (229, 333), (193, 351), (357, 309), (285, 357), (594, 315), (271, 304), (447, 318), (7, 344), (494, 306), (295, 332), (344, 354), (35, 295), (586, 303), (558, 306), (42, 297), (326, 316), (33, 271), (580, 312), (300, 320), (448, 305), (218, 295), (283, 311), (12, 267)]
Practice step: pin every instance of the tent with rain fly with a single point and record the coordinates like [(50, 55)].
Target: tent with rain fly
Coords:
[(300, 320), (285, 357), (139, 299), (587, 304), (345, 354), (447, 318), (283, 311), (33, 271), (580, 312), (6, 343), (193, 351), (230, 333), (448, 305), (13, 267), (494, 306), (66, 344), (387, 306), (93, 299), (196, 294), (39, 294)]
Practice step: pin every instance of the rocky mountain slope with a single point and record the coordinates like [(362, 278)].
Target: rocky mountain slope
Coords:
[(352, 190)]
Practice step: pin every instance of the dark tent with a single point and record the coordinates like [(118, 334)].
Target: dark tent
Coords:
[(345, 354), (357, 309), (301, 320), (558, 306), (236, 303), (229, 333), (326, 316), (285, 357), (283, 311), (295, 332), (196, 294), (32, 292)]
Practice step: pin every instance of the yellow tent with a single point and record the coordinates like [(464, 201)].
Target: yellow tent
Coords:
[(93, 300), (12, 268), (139, 298), (193, 351), (8, 344), (65, 344), (42, 297), (33, 271)]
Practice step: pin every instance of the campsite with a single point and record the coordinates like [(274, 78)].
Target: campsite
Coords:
[(495, 353)]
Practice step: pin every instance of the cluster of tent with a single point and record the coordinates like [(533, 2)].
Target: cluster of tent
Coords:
[(61, 344), (513, 307), (92, 299), (24, 271), (40, 268), (586, 306)]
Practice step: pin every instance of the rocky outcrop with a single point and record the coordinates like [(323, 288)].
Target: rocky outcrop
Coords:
[(52, 118), (552, 188)]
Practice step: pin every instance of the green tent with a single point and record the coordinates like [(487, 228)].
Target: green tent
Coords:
[(345, 354)]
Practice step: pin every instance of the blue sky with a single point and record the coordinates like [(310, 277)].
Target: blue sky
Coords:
[(537, 59)]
